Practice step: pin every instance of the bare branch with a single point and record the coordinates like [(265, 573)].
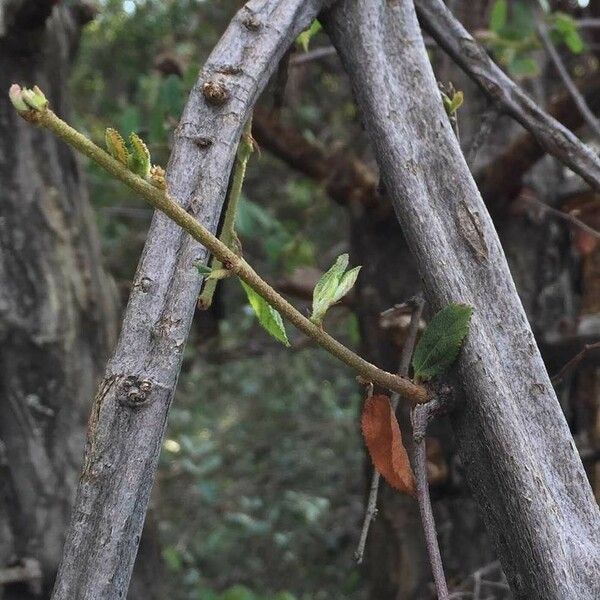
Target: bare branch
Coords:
[(488, 118), (556, 139), (575, 361), (420, 418), (311, 55), (569, 218), (579, 100)]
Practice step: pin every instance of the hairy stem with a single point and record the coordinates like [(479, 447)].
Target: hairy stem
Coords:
[(416, 394)]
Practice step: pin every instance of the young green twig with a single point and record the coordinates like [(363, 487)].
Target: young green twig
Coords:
[(228, 235), (39, 114)]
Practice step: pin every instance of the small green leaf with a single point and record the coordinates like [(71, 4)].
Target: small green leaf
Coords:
[(326, 287), (203, 269), (440, 342), (332, 286), (34, 98), (267, 316), (574, 42), (498, 16), (303, 40), (139, 161), (564, 29), (116, 146)]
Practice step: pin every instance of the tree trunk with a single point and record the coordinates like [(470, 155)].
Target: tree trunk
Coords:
[(57, 306), (514, 442)]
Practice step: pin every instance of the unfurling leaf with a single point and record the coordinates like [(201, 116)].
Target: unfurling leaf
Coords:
[(384, 442), (332, 287), (15, 93), (139, 160), (440, 342), (267, 316), (303, 40), (116, 145), (34, 98), (452, 104)]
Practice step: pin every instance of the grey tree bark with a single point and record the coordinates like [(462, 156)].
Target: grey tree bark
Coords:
[(512, 436), (557, 140), (130, 409), (57, 310)]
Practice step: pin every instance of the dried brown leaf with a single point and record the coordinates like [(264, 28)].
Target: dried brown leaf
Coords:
[(384, 442)]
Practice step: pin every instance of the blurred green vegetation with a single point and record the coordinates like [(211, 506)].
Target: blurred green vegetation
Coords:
[(260, 487)]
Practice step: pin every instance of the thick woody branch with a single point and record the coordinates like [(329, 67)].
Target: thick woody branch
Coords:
[(502, 178), (130, 411), (514, 442), (553, 137)]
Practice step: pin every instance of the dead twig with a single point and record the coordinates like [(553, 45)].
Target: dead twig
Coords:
[(420, 418), (311, 55), (584, 109), (407, 349), (569, 218), (574, 361)]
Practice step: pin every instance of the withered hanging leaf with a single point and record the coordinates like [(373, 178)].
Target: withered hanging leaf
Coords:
[(384, 442)]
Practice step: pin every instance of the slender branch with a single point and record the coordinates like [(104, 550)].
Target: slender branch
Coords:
[(228, 235), (574, 361), (407, 351), (584, 109), (316, 54), (590, 23), (231, 261), (556, 139), (562, 215), (420, 417)]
